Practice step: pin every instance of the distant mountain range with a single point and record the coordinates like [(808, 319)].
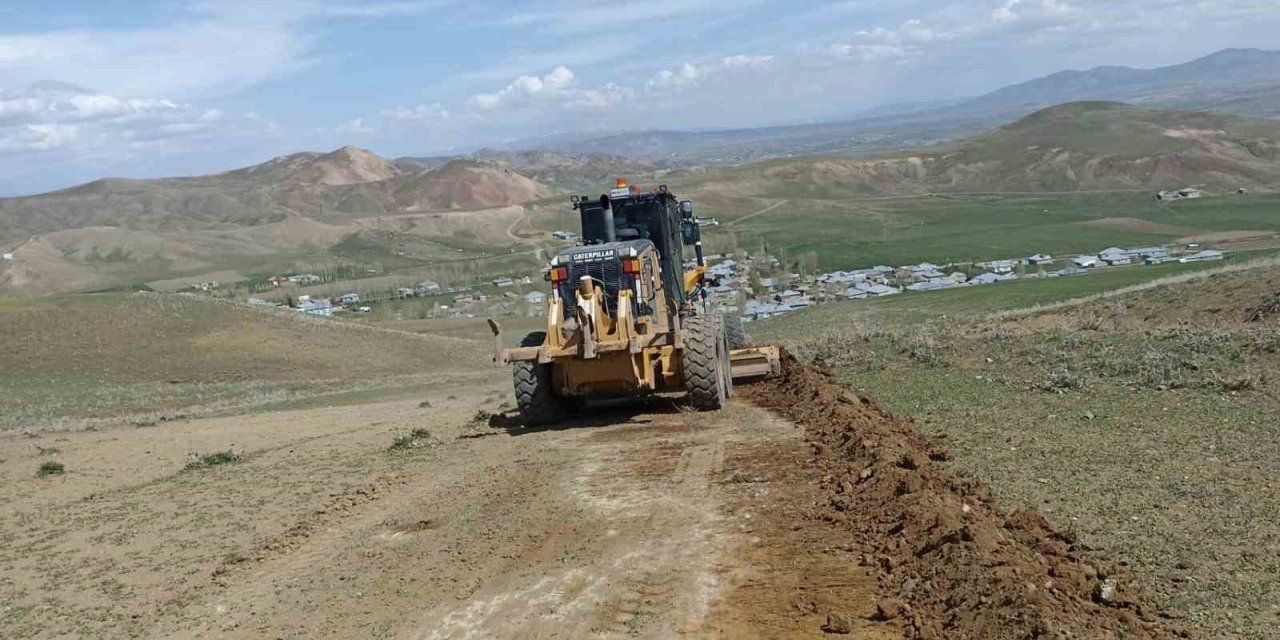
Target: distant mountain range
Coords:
[(1081, 145), (1235, 81)]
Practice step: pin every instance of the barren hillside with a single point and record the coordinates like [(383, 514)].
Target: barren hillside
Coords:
[(1077, 146), (348, 165), (344, 182), (465, 184)]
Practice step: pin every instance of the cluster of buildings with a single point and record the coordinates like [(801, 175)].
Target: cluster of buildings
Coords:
[(1182, 193), (1117, 257), (421, 290), (733, 286), (299, 279)]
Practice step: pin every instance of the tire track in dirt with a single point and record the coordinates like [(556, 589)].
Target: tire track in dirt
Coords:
[(651, 572)]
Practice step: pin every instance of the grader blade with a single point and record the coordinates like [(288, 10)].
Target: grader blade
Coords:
[(750, 364)]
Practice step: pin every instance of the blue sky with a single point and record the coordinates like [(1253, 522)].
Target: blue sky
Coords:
[(142, 88)]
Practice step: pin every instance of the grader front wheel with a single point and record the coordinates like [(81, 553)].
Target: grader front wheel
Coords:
[(535, 398), (705, 361)]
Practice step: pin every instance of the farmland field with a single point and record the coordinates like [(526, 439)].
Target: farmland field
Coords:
[(942, 228)]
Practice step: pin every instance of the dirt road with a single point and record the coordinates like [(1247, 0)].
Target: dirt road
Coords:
[(757, 213), (639, 520), (646, 521)]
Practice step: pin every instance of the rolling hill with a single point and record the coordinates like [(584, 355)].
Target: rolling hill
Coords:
[(573, 172), (114, 232), (344, 183), (1076, 146)]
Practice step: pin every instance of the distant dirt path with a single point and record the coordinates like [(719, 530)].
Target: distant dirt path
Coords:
[(758, 213), (642, 522), (511, 228)]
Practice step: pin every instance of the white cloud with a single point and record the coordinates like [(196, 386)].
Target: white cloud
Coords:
[(356, 126), (212, 46), (572, 17), (555, 90), (1021, 10), (187, 58), (683, 76), (378, 9), (524, 90), (422, 112), (689, 74), (55, 117), (744, 61)]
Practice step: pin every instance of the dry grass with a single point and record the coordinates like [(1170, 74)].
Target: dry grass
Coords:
[(1181, 278), (1156, 441), (88, 361)]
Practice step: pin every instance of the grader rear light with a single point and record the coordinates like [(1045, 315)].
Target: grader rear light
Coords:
[(558, 274), (631, 266)]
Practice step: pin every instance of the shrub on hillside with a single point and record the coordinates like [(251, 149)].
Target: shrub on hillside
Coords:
[(50, 469), (217, 458)]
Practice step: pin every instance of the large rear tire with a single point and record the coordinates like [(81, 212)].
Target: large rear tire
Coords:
[(535, 397), (734, 332), (705, 361)]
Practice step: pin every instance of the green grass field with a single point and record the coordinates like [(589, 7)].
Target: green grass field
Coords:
[(963, 227), (1153, 440)]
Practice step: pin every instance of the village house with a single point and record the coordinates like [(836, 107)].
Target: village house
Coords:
[(503, 281), (350, 298), (316, 308), (1114, 256), (1040, 259), (6, 256), (305, 278), (792, 298), (759, 310), (568, 236), (1085, 262), (428, 288), (869, 290), (535, 297), (999, 266), (405, 292), (992, 278), (931, 285), (1066, 271), (1203, 256)]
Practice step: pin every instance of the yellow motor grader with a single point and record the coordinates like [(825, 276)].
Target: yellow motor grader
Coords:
[(625, 318)]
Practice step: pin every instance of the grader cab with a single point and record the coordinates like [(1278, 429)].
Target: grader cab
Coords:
[(624, 318)]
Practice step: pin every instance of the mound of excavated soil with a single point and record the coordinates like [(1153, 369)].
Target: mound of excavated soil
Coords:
[(963, 568)]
